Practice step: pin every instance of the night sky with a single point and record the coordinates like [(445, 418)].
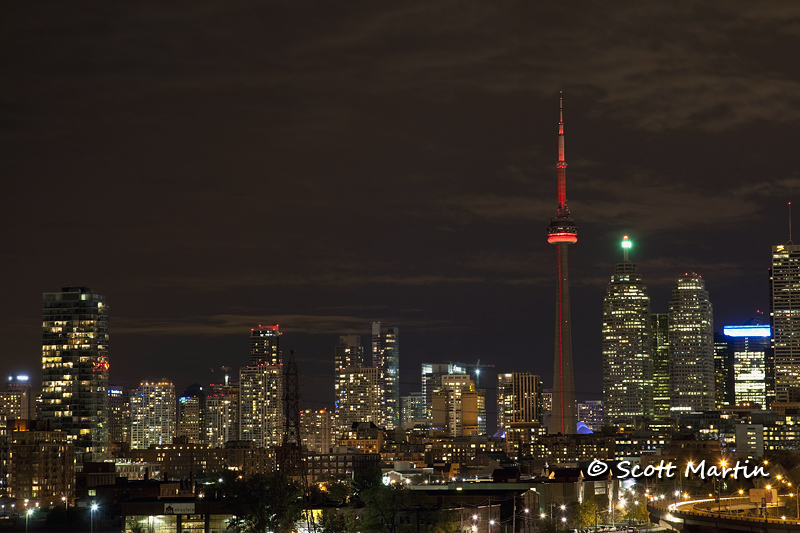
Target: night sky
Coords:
[(209, 166)]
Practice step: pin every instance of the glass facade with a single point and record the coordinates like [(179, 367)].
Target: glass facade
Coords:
[(153, 416), (691, 347), (627, 348), (750, 345), (75, 369), (261, 414), (785, 311), (386, 358), (659, 334), (518, 398)]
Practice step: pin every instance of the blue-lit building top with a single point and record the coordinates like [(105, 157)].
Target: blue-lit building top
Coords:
[(747, 331)]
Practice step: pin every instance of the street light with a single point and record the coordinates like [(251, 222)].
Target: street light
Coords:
[(28, 513), (94, 508)]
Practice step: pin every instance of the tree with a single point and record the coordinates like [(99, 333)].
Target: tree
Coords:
[(638, 512), (366, 479), (442, 521), (392, 509), (591, 511), (546, 525), (264, 502), (338, 521)]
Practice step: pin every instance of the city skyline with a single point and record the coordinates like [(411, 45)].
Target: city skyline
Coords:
[(326, 172)]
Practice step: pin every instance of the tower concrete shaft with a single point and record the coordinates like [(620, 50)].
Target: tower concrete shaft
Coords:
[(562, 232)]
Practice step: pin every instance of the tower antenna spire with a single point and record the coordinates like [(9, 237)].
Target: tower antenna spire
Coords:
[(790, 223), (563, 210)]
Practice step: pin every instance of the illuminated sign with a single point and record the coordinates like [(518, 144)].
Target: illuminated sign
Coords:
[(747, 331), (179, 508), (114, 391)]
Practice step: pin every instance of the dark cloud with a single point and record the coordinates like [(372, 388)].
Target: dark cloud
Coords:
[(210, 164)]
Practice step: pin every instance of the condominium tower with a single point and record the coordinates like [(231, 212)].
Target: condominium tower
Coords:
[(75, 369), (386, 358), (519, 396), (153, 414)]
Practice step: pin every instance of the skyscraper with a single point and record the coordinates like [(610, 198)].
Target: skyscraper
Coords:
[(724, 397), (659, 334), (22, 384), (261, 413), (153, 414), (519, 396), (75, 369), (750, 345), (413, 411), (359, 398), (785, 312), (562, 232), (432, 379), (691, 346), (591, 413), (265, 345), (317, 430), (119, 415), (459, 407), (349, 353), (627, 346), (221, 416), (189, 419), (386, 358)]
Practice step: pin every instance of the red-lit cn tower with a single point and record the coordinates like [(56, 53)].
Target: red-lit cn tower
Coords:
[(562, 232)]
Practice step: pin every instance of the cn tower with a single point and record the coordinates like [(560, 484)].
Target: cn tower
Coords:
[(562, 232)]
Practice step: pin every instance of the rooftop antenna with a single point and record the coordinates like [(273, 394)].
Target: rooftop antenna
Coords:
[(790, 224), (626, 245)]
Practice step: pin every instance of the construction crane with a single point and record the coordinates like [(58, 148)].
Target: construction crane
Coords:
[(478, 367)]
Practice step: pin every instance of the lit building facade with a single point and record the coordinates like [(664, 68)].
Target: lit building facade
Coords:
[(458, 407), (627, 346), (23, 385), (592, 413), (359, 398), (519, 398), (75, 369), (412, 411), (432, 379), (317, 430), (261, 416), (386, 358), (119, 415), (153, 414), (750, 345), (785, 312), (723, 373), (348, 354), (189, 422), (10, 406), (221, 417), (41, 462), (659, 334), (691, 346), (265, 345)]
